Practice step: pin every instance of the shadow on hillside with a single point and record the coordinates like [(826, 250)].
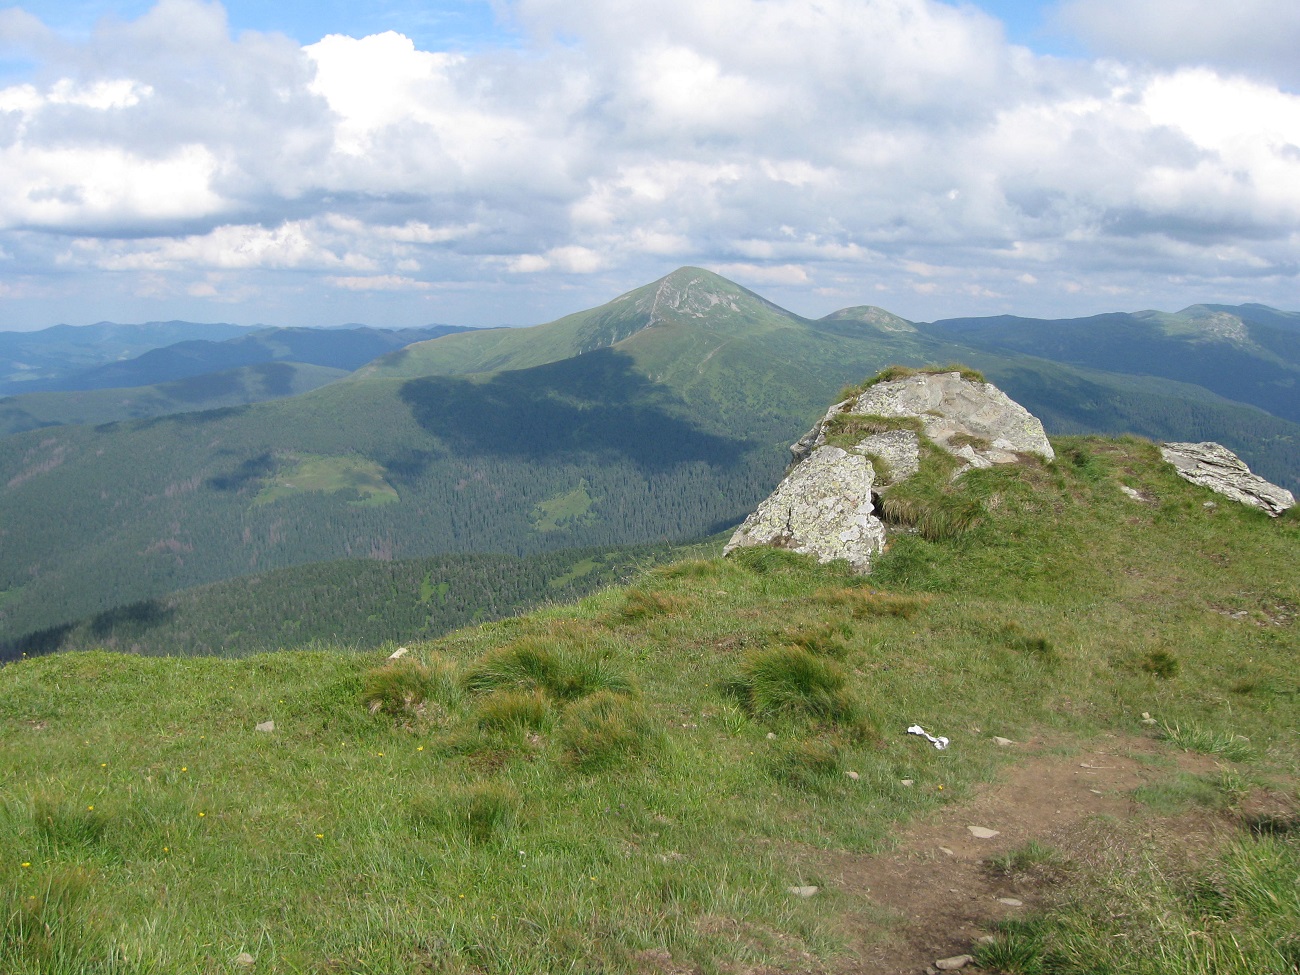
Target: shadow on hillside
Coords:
[(591, 404), (116, 627)]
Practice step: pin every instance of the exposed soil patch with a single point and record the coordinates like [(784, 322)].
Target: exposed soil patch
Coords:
[(935, 895)]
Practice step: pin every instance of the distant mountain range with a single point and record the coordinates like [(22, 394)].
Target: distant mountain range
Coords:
[(662, 415), (177, 375)]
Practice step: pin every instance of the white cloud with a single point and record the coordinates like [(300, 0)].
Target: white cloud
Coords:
[(799, 146), (1258, 37)]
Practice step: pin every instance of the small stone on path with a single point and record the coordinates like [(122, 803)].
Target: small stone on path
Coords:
[(982, 832), (953, 963), (266, 726), (1004, 742), (987, 939), (803, 891), (945, 849), (1011, 902)]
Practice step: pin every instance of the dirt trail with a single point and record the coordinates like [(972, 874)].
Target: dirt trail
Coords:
[(936, 885)]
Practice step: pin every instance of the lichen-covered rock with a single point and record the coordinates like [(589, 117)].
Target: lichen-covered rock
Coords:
[(958, 413), (1216, 467), (972, 420), (899, 450), (822, 508)]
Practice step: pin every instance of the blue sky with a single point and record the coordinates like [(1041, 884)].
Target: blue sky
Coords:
[(479, 163)]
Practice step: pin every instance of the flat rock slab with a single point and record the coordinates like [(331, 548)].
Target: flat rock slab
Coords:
[(822, 508), (952, 408), (1216, 467)]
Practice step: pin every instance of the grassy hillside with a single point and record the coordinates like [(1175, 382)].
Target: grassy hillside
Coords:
[(634, 782)]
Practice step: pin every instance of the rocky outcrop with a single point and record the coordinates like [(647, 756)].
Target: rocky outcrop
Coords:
[(1216, 467), (822, 508)]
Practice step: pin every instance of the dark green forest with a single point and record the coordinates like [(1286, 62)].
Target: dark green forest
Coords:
[(361, 603)]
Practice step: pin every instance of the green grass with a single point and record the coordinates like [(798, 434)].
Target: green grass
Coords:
[(563, 510), (330, 475), (1139, 911), (648, 770)]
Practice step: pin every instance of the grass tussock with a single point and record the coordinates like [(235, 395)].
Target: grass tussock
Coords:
[(404, 687), (547, 667), (481, 811), (853, 427), (789, 682), (1207, 741), (61, 824), (512, 709), (640, 604), (808, 763), (605, 730)]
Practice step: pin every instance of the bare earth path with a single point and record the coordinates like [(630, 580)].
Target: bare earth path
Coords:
[(935, 885)]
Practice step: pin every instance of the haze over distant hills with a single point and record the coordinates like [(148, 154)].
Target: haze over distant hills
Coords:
[(662, 415), (105, 372)]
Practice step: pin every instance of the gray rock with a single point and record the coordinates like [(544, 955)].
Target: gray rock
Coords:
[(982, 832), (245, 959), (955, 409), (266, 726), (822, 508), (1011, 901), (899, 449), (803, 891), (1216, 467), (953, 963), (1004, 742)]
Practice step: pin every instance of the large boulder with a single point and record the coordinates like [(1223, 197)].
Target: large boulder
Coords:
[(822, 508), (1216, 467)]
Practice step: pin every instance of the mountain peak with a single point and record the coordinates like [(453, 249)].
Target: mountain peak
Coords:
[(871, 315), (694, 293)]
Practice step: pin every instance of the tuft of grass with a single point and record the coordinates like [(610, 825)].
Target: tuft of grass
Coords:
[(894, 372), (809, 763), (790, 682), (1031, 859), (1195, 738), (526, 665), (546, 666), (604, 730), (513, 709), (1160, 663), (481, 811), (61, 824), (640, 603), (849, 429), (827, 640), (404, 686)]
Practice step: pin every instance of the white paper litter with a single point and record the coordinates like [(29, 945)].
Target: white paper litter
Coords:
[(940, 743)]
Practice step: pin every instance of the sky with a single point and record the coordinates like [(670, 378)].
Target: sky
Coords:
[(402, 163)]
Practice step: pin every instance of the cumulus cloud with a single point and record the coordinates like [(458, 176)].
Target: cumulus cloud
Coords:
[(1257, 37), (855, 146)]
